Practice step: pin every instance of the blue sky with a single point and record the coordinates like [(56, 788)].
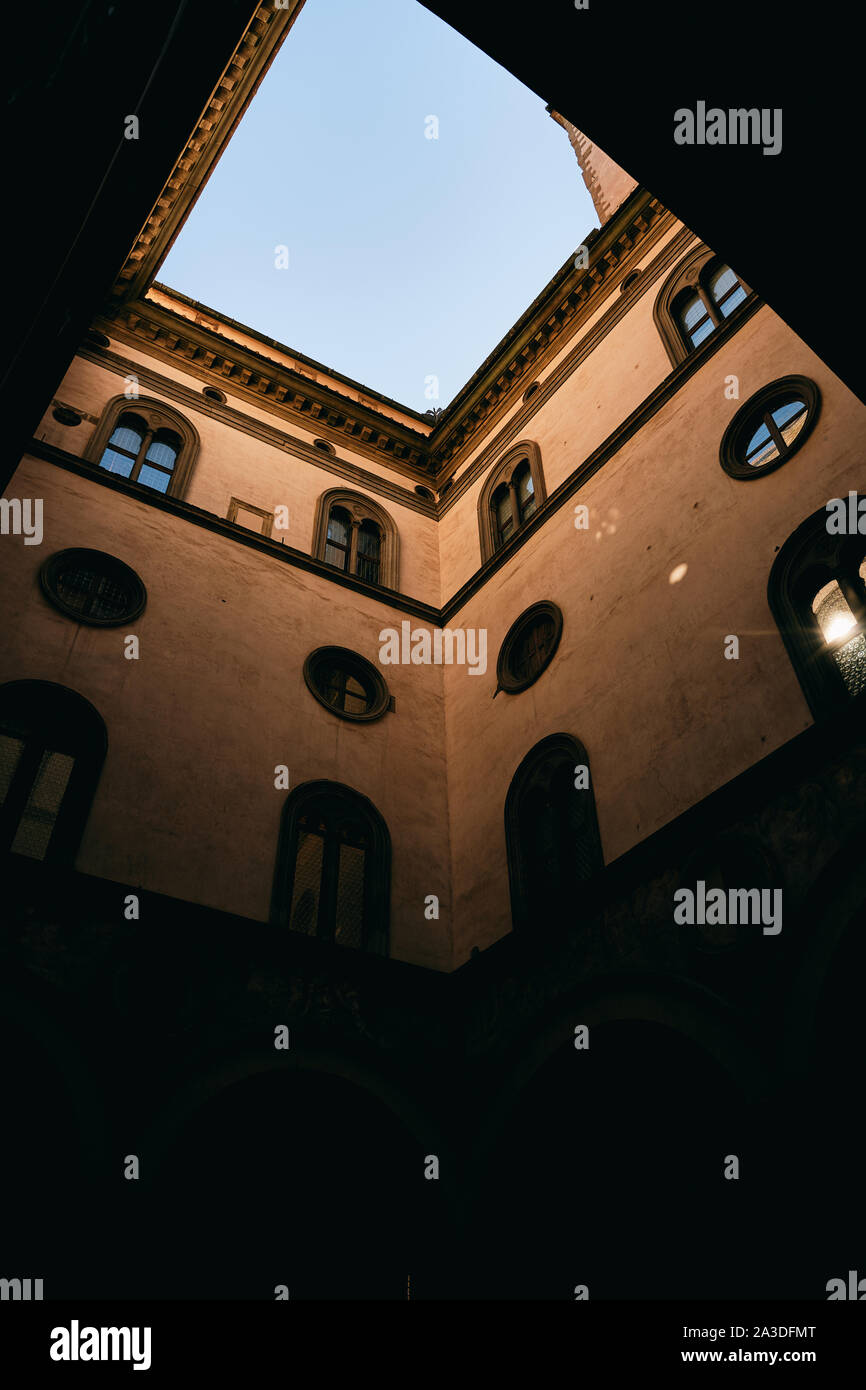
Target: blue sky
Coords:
[(409, 257)]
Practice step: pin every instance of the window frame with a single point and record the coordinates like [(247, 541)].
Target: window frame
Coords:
[(48, 582), (156, 416), (810, 558), (743, 425), (572, 753), (356, 666), (505, 473), (377, 868), (691, 275), (48, 717), (360, 509), (506, 679)]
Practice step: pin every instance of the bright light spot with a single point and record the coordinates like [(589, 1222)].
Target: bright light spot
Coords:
[(838, 625), (677, 574)]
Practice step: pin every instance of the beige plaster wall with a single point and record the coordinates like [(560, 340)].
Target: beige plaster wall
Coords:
[(233, 463), (640, 676), (186, 804)]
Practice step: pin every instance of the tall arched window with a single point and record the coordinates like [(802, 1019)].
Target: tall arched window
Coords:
[(355, 535), (817, 593), (333, 867), (52, 747), (511, 496), (146, 442), (551, 833), (695, 300)]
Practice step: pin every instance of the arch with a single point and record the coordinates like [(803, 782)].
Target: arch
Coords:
[(690, 277), (159, 421), (547, 1089), (551, 832), (53, 745), (361, 514), (321, 890), (831, 670), (506, 474)]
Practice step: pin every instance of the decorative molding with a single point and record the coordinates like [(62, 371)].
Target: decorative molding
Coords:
[(600, 456), (240, 78), (237, 505), (519, 422), (217, 361), (562, 308), (258, 429)]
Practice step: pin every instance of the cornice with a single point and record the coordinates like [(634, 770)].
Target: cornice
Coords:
[(238, 82), (565, 304), (517, 425), (268, 434), (605, 451), (390, 598), (216, 360)]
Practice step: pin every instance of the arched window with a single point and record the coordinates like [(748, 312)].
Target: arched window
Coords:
[(146, 442), (52, 747), (551, 834), (696, 299), (333, 868), (355, 535), (817, 593), (510, 498)]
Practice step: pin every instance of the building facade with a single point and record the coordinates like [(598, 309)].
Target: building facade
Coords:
[(353, 760)]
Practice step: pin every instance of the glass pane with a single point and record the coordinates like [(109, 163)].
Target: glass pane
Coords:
[(703, 332), (851, 660), (163, 453), (761, 448), (127, 435), (727, 306), (350, 897), (368, 540), (502, 512), (335, 556), (692, 311), (355, 701), (40, 813), (114, 462), (10, 756), (525, 494), (368, 567), (790, 419), (338, 528), (151, 477), (832, 611), (304, 913), (723, 280), (92, 594)]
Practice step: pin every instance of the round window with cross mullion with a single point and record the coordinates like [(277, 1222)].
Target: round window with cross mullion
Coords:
[(529, 646), (769, 429), (346, 684), (92, 587)]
